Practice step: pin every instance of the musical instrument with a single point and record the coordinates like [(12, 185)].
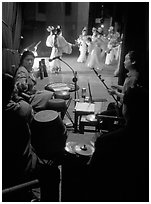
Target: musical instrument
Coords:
[(59, 86), (79, 152), (102, 80), (48, 134), (84, 149), (62, 95), (57, 104), (90, 94)]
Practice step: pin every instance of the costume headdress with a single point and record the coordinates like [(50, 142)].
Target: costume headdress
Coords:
[(50, 28)]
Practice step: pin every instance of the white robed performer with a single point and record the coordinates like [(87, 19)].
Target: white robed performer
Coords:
[(81, 41), (59, 46), (114, 47), (96, 57)]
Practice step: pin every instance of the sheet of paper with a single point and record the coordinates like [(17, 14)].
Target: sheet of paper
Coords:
[(85, 107), (98, 107), (89, 107)]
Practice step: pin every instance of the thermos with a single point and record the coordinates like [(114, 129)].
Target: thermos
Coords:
[(41, 73), (44, 67), (83, 93)]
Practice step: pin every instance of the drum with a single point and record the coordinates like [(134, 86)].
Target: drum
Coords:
[(62, 95), (59, 86), (48, 134), (57, 104)]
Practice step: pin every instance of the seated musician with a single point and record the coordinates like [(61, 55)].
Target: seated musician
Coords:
[(119, 168), (131, 80), (25, 83), (16, 154)]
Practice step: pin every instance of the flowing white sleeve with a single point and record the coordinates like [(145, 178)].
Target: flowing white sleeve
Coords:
[(64, 45), (50, 41)]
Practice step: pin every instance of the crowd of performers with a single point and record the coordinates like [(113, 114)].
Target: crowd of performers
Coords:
[(98, 49), (95, 50)]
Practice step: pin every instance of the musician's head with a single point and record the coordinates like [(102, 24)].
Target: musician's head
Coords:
[(131, 60), (27, 60)]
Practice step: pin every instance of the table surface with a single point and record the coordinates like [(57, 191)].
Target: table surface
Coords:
[(84, 107)]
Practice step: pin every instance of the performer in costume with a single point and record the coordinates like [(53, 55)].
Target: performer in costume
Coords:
[(90, 45), (59, 46), (94, 34), (113, 47), (95, 59), (81, 41)]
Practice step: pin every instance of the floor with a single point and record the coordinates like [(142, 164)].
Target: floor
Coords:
[(73, 174), (84, 75)]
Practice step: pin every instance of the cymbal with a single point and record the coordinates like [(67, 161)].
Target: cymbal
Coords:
[(70, 147), (84, 149)]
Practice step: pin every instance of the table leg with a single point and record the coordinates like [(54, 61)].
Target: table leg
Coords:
[(75, 121)]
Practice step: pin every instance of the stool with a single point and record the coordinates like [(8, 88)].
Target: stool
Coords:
[(85, 122), (85, 109)]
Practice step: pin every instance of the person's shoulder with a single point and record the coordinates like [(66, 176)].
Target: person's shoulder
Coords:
[(111, 137), (22, 68)]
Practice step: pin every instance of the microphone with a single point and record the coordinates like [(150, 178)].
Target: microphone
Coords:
[(57, 57), (75, 74)]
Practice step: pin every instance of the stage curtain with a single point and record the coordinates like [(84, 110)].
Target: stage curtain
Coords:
[(11, 31)]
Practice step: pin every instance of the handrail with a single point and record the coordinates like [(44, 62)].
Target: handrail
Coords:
[(20, 187)]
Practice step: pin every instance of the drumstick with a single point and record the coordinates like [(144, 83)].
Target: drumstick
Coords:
[(89, 88)]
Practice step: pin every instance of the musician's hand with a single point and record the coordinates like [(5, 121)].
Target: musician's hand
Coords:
[(119, 104), (21, 86), (114, 86), (112, 91)]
